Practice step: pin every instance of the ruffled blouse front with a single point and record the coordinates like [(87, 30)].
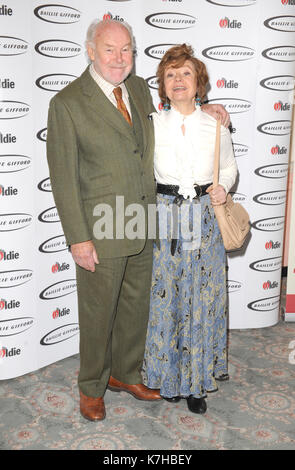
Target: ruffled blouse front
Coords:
[(186, 159)]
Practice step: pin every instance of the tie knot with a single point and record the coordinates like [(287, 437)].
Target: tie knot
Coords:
[(118, 93)]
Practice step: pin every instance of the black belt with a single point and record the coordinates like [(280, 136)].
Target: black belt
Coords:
[(172, 190)]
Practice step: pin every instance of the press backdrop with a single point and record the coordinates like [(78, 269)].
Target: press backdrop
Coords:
[(249, 49)]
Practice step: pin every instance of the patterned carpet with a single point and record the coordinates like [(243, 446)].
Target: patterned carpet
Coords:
[(254, 410)]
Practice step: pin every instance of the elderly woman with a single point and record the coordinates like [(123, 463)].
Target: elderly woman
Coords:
[(186, 346)]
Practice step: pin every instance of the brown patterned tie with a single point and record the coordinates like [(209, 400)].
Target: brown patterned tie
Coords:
[(121, 105)]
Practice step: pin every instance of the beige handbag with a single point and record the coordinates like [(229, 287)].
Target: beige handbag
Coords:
[(232, 217)]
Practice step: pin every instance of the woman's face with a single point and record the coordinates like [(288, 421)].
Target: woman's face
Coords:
[(181, 83)]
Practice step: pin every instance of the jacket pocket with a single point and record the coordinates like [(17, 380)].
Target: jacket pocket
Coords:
[(98, 186)]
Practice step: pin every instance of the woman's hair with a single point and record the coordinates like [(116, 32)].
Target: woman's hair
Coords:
[(176, 57)]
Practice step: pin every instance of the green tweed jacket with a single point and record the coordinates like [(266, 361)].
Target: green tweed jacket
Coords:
[(94, 157)]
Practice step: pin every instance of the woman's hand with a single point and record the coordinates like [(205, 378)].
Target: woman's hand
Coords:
[(218, 112), (217, 195)]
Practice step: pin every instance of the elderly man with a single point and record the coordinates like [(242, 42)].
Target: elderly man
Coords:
[(100, 145)]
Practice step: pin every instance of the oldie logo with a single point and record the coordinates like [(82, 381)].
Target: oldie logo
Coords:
[(229, 53), (279, 150), (55, 81), (280, 53), (6, 84), (240, 149), (60, 14), (234, 105), (275, 171), (8, 191), (42, 134), (14, 163), (265, 305), (171, 20), (5, 11), (57, 267), (17, 221), (230, 23), (224, 83), (5, 352), (15, 278), (54, 244), (13, 109), (271, 224), (9, 304), (110, 16), (281, 23), (157, 50), (12, 46), (278, 82), (59, 289), (45, 185), (275, 127), (7, 138), (59, 313), (271, 198), (15, 326), (232, 3), (49, 216), (270, 285), (8, 256), (271, 245), (58, 48), (58, 335), (280, 106), (267, 265)]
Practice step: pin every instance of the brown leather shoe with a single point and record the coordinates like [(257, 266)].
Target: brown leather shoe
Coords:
[(139, 391), (92, 408)]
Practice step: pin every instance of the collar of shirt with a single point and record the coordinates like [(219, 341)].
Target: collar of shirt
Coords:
[(107, 88)]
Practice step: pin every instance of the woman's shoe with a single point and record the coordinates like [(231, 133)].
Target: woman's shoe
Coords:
[(196, 405), (172, 399), (222, 378)]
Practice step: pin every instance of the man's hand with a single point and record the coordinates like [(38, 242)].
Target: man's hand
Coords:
[(84, 254), (217, 195), (218, 112)]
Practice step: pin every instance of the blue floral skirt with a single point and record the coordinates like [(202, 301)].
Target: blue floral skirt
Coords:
[(186, 345)]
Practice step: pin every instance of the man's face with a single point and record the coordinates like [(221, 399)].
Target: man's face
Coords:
[(112, 56)]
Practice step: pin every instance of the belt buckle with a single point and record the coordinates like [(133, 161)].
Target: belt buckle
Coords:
[(198, 190)]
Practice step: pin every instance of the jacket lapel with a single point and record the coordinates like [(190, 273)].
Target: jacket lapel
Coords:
[(137, 102), (107, 111)]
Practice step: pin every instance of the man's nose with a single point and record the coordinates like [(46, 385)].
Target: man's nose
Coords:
[(119, 56)]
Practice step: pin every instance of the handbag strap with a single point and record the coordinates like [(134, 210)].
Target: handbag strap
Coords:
[(217, 154)]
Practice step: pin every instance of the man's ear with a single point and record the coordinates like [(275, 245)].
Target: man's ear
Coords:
[(90, 52)]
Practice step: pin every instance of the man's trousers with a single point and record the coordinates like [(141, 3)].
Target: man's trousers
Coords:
[(113, 314)]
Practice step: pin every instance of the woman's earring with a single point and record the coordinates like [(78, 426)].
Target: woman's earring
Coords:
[(166, 106), (198, 101)]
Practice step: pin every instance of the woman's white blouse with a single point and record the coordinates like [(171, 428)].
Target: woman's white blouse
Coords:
[(185, 160)]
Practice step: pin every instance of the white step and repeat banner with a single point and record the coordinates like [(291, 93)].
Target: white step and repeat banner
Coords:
[(249, 49)]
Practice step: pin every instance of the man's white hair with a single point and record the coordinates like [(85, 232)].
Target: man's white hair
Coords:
[(98, 25)]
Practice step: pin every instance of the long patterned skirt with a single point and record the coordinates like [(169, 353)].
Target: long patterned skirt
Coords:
[(186, 345)]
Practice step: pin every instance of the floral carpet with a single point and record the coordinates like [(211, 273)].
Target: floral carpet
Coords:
[(255, 409)]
